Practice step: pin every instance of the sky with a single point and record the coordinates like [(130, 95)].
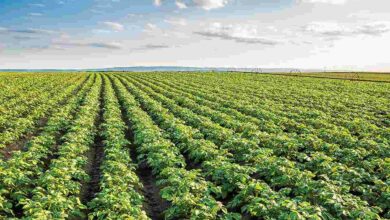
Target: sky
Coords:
[(320, 34)]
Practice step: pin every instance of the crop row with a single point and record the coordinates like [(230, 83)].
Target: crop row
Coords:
[(319, 161), (189, 195), (18, 173), (350, 154), (192, 146), (57, 190), (255, 197), (119, 196), (24, 118), (280, 172)]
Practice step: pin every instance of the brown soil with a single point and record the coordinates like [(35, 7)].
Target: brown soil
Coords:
[(154, 205)]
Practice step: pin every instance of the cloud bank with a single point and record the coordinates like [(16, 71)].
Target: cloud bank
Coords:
[(239, 33)]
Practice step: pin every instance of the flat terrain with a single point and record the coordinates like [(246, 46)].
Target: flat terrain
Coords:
[(193, 146), (357, 76)]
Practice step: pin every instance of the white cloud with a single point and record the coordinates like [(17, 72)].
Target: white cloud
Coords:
[(367, 15), (242, 37), (104, 6), (334, 2), (37, 5), (111, 45), (153, 47), (211, 4), (331, 29), (29, 31), (176, 21), (131, 15), (114, 25), (150, 26), (157, 2), (375, 28), (239, 33), (327, 29), (204, 4), (180, 4), (104, 45)]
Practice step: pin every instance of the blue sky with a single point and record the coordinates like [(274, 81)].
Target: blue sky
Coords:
[(228, 33)]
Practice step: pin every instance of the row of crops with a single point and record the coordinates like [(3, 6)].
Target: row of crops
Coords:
[(192, 146)]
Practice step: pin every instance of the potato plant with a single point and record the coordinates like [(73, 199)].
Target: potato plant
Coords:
[(189, 145)]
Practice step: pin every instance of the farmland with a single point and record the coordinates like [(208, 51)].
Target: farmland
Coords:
[(358, 76), (193, 146)]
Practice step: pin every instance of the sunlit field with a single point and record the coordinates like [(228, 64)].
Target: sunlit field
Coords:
[(164, 145)]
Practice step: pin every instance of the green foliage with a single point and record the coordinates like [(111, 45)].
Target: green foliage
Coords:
[(219, 146)]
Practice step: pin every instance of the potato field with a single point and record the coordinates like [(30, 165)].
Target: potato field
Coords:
[(188, 145)]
